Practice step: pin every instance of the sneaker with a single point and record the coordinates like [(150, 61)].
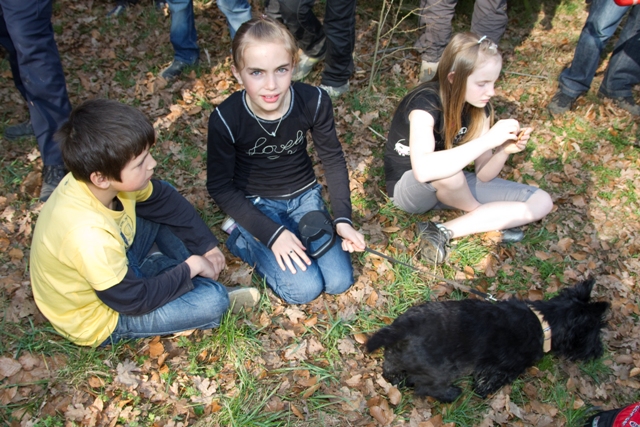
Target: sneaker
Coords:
[(228, 225), (175, 69), (626, 103), (304, 66), (434, 241), (19, 131), (427, 71), (51, 177), (336, 91), (241, 298), (560, 103), (512, 235), (160, 5)]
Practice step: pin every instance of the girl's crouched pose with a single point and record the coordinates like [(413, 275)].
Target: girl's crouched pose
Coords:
[(441, 127)]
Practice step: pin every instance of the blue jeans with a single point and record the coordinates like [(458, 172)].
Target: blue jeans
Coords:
[(184, 36), (200, 308), (623, 70), (27, 35), (331, 273)]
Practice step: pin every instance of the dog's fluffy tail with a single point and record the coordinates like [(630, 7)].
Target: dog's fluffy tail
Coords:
[(385, 337)]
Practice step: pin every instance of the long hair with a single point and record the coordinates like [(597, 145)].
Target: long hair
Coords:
[(464, 53), (262, 29)]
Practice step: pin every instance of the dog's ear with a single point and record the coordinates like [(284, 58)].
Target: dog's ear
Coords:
[(582, 291)]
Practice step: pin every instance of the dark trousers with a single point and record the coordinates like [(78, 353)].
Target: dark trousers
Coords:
[(27, 35), (335, 38)]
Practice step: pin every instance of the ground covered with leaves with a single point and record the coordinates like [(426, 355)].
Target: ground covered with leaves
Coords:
[(281, 365)]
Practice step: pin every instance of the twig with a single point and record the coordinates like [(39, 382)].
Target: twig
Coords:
[(370, 128), (527, 75)]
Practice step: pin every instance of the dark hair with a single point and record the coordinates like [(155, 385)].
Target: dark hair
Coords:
[(102, 136), (262, 29)]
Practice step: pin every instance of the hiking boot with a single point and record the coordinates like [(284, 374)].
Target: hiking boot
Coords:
[(427, 71), (560, 103), (51, 177), (19, 131), (175, 69), (512, 235), (241, 298), (228, 225), (624, 102), (336, 91), (304, 66), (434, 241)]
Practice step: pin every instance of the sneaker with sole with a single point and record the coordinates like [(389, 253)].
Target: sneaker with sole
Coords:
[(626, 103), (19, 131), (427, 71), (241, 298), (304, 66), (560, 103), (228, 225), (336, 91), (51, 177), (512, 235), (175, 69), (434, 241)]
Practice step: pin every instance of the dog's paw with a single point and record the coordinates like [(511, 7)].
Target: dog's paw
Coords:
[(444, 395)]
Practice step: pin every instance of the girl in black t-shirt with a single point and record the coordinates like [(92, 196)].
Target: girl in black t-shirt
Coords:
[(441, 127), (259, 172)]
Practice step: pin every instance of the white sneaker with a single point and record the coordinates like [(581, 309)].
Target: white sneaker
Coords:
[(304, 66), (228, 225), (241, 298), (427, 71), (336, 91)]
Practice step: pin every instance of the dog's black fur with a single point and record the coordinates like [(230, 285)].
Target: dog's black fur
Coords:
[(434, 344)]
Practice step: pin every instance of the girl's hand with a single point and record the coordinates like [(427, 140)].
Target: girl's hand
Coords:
[(216, 258), (520, 144), (352, 240), (288, 249), (503, 131)]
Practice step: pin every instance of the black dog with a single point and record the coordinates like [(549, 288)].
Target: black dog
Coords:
[(434, 344)]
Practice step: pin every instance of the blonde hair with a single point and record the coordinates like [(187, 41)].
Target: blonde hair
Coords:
[(464, 53), (262, 29)]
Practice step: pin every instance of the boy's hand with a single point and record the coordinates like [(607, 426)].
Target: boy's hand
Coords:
[(289, 249), (511, 147), (352, 240), (216, 258), (201, 266)]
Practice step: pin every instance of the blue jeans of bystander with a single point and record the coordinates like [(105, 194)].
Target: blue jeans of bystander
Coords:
[(602, 22), (184, 36), (200, 308), (331, 273)]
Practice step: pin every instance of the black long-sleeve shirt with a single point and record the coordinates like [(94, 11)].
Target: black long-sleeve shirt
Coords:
[(243, 160), (135, 295)]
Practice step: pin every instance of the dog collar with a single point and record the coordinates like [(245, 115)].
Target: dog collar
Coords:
[(546, 330)]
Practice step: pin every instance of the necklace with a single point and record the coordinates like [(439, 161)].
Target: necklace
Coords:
[(271, 134)]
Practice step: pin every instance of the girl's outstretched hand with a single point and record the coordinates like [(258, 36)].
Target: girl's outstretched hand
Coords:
[(352, 240), (520, 144), (288, 249), (503, 131)]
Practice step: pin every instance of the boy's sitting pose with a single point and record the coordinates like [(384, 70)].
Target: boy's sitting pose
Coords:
[(116, 255)]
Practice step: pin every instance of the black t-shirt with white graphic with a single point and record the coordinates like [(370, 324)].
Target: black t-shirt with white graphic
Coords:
[(245, 160), (396, 155)]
